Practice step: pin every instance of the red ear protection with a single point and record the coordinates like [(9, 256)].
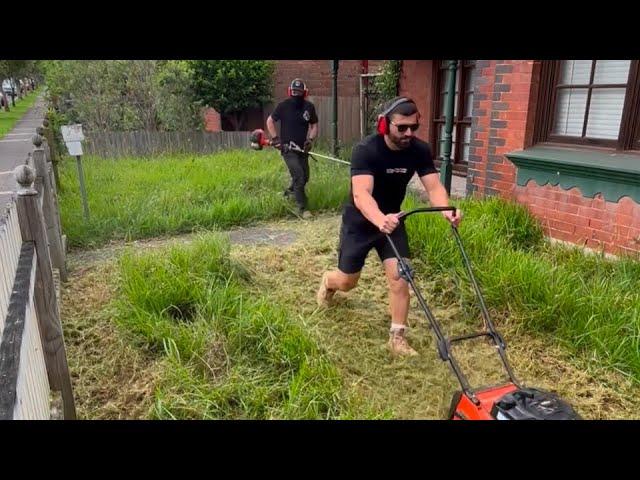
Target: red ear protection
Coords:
[(383, 126), (383, 120)]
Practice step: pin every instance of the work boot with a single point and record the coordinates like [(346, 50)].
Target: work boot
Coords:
[(398, 343), (302, 213), (324, 295)]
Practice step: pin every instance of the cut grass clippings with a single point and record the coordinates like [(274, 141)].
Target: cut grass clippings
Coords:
[(229, 355), (354, 332), (351, 336)]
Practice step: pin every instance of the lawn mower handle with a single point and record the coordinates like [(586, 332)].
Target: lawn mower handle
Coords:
[(442, 342), (402, 215)]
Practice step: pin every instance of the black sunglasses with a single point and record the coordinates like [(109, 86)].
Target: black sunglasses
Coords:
[(403, 128)]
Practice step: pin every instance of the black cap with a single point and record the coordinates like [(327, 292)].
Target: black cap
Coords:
[(297, 85)]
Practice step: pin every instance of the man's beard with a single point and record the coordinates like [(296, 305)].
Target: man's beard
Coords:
[(402, 142)]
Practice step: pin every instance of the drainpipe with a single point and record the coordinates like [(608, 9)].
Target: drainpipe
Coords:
[(361, 83), (445, 167), (334, 93)]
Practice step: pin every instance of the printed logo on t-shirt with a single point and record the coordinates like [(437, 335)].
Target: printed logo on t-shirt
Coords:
[(306, 115), (396, 170)]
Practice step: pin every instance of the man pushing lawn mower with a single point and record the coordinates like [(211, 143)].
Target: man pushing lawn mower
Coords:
[(381, 167)]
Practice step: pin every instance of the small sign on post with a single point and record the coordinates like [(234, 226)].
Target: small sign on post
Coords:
[(73, 137)]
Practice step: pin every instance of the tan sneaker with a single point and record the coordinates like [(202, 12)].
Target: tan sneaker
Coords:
[(324, 295), (398, 343), (307, 215)]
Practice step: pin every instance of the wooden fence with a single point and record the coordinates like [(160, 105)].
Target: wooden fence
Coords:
[(348, 118), (150, 143), (33, 360)]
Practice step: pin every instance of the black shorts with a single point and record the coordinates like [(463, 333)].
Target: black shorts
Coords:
[(357, 242)]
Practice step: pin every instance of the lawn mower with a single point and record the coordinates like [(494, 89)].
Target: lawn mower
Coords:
[(508, 401), (259, 140)]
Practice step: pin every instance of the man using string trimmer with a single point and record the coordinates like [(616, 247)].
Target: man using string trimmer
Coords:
[(298, 124)]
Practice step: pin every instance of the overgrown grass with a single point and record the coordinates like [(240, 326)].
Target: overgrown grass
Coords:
[(137, 198), (9, 119), (229, 355), (590, 303)]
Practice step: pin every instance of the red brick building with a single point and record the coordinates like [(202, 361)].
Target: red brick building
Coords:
[(317, 76), (562, 137)]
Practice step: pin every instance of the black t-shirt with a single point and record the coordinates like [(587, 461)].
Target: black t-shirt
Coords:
[(294, 119), (391, 169)]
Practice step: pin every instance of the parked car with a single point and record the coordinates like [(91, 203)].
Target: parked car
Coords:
[(9, 86)]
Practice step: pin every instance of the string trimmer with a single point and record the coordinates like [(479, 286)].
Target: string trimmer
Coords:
[(259, 140)]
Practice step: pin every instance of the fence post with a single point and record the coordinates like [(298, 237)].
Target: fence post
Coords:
[(52, 171), (53, 154), (32, 228), (49, 207)]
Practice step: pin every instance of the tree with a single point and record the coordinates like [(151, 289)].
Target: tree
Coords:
[(105, 94), (232, 86), (382, 89), (12, 70), (4, 71), (15, 70), (122, 95), (174, 96)]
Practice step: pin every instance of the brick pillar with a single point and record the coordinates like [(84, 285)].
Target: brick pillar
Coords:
[(212, 122), (502, 122)]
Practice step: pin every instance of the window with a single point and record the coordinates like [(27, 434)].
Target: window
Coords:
[(589, 102), (463, 105)]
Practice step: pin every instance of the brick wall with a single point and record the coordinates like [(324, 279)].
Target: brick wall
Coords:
[(503, 109), (317, 76), (503, 116), (416, 81), (590, 222), (212, 121)]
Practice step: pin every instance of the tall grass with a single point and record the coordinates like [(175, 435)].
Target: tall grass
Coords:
[(590, 303), (136, 198), (228, 355)]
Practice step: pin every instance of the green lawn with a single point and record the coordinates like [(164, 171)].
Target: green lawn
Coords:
[(137, 198)]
